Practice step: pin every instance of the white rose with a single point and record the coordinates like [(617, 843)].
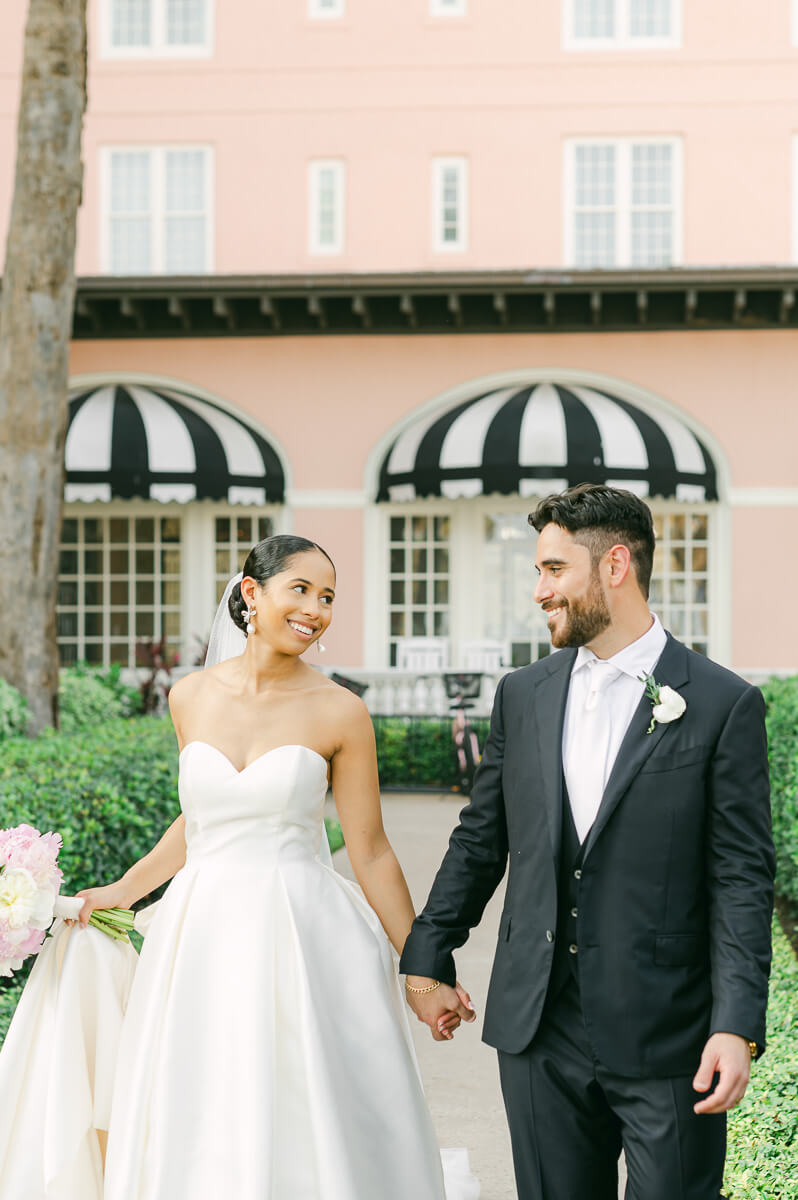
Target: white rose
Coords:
[(670, 707), (23, 904)]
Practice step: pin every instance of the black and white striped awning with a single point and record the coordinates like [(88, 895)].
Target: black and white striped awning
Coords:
[(132, 440), (542, 438)]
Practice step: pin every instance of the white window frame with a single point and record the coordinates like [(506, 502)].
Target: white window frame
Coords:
[(159, 47), (198, 552), (622, 40), (448, 8), (439, 167), (319, 12), (466, 602), (157, 208), (315, 168), (623, 207)]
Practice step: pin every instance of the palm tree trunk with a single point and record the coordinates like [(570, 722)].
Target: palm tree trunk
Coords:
[(35, 325)]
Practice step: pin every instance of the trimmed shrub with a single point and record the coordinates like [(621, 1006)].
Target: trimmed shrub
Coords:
[(781, 698), (87, 698), (14, 712), (417, 752), (762, 1160)]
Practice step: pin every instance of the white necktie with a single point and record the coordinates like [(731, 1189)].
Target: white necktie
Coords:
[(587, 768)]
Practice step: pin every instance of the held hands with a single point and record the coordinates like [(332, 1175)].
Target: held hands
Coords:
[(729, 1056), (442, 1008)]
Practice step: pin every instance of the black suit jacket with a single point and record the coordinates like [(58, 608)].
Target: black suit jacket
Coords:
[(676, 890)]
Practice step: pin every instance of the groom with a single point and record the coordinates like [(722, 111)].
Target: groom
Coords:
[(629, 986)]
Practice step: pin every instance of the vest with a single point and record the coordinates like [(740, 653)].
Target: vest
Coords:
[(566, 949)]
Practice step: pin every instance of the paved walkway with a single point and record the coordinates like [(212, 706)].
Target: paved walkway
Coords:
[(461, 1077)]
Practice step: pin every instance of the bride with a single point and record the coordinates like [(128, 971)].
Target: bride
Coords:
[(264, 1051)]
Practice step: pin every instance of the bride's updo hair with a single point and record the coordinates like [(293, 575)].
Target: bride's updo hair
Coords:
[(269, 557)]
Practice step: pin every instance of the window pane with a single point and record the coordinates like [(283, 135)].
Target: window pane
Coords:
[(594, 175), (67, 593), (145, 529), (145, 591), (69, 531), (185, 22), (652, 167), (93, 562), (185, 181), (170, 592), (594, 18), (650, 18), (594, 242), (120, 590), (185, 246), (93, 592), (131, 22)]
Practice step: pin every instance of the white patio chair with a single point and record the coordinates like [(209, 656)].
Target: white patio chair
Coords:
[(424, 654), (487, 655)]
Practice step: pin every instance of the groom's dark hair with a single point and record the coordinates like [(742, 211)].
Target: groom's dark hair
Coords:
[(600, 517)]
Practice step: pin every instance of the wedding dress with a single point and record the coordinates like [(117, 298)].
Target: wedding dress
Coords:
[(262, 1049)]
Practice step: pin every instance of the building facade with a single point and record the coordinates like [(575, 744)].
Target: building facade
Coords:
[(383, 274)]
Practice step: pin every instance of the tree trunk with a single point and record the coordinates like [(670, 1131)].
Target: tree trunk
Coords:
[(35, 325)]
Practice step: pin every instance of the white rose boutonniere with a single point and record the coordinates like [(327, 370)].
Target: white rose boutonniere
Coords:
[(667, 705)]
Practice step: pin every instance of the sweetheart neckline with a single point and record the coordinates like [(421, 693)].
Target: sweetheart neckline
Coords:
[(266, 753)]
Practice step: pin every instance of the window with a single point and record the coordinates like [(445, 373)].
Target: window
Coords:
[(621, 24), (157, 206), (325, 8), (508, 582), (234, 538), (448, 8), (326, 206), (449, 203), (119, 583), (623, 202), (419, 578), (156, 28), (680, 580)]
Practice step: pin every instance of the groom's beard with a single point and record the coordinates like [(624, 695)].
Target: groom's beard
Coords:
[(584, 619)]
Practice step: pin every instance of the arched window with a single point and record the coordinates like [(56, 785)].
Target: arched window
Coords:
[(166, 490), (455, 484)]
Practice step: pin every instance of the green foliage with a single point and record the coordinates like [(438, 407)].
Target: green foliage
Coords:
[(781, 698), (762, 1160), (87, 698), (417, 752), (14, 712)]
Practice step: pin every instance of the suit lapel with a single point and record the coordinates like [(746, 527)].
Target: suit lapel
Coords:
[(637, 745), (546, 715)]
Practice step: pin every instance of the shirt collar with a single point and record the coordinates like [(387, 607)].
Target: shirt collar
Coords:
[(638, 658)]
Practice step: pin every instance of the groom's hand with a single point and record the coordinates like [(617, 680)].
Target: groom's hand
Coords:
[(729, 1056), (442, 1009)]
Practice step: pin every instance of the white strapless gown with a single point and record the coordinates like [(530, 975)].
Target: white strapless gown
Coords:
[(263, 1052)]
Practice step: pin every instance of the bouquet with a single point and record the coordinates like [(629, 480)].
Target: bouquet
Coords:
[(30, 880)]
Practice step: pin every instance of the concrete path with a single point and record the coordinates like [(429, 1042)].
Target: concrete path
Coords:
[(461, 1077)]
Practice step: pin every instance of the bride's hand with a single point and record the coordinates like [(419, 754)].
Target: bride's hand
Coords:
[(113, 895)]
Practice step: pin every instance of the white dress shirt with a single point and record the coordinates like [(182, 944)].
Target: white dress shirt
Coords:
[(602, 698)]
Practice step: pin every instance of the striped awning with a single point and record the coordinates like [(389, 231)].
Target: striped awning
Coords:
[(542, 438), (154, 443)]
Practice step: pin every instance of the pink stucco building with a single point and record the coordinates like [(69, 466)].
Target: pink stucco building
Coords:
[(382, 273)]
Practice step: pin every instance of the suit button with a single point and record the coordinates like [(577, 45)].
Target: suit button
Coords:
[(549, 936), (574, 912), (577, 874), (573, 949)]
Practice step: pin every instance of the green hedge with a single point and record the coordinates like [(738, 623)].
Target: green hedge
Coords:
[(417, 752), (781, 698), (110, 792), (762, 1161)]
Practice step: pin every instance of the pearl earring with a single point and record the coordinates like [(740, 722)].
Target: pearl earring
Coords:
[(249, 617), (321, 649)]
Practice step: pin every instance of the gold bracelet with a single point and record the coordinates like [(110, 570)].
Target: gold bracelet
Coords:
[(422, 991)]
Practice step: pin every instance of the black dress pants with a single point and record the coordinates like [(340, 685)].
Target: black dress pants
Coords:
[(569, 1119)]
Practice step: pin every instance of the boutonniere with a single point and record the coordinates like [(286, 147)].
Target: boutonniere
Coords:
[(667, 705)]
